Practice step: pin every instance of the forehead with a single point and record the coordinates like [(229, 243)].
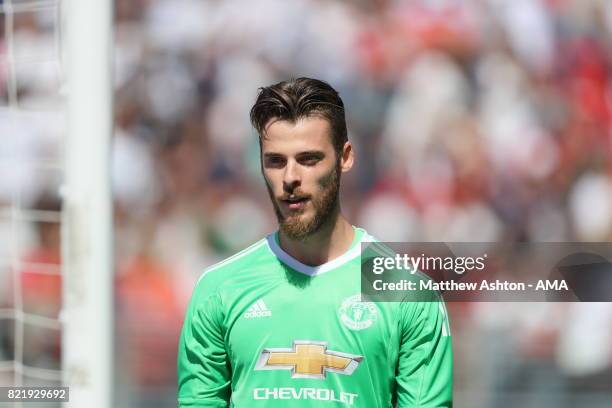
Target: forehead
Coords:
[(311, 133)]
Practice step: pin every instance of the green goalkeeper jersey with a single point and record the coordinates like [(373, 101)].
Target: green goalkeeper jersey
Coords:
[(264, 330)]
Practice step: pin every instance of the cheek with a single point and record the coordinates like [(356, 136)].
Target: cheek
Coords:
[(324, 180), (271, 181)]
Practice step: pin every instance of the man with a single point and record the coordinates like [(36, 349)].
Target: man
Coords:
[(281, 323)]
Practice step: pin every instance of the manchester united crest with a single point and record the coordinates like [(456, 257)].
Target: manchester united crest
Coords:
[(357, 315)]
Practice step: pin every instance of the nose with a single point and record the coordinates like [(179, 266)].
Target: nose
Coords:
[(291, 177)]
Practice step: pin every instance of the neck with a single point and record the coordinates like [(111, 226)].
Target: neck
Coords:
[(331, 241)]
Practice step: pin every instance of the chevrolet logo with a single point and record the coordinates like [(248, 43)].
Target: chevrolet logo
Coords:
[(308, 359)]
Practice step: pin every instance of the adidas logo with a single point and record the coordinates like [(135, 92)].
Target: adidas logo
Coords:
[(258, 309)]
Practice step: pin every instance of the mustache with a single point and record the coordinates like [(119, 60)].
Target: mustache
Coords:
[(294, 195)]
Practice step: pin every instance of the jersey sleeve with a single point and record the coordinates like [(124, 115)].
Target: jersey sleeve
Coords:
[(425, 363), (204, 371)]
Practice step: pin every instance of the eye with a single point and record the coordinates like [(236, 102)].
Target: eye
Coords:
[(274, 161), (309, 160)]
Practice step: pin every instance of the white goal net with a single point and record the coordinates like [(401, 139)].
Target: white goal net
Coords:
[(55, 215)]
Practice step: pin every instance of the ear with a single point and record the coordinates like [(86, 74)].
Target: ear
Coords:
[(347, 157)]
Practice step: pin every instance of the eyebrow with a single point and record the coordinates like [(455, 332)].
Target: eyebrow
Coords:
[(272, 154), (311, 153), (314, 153)]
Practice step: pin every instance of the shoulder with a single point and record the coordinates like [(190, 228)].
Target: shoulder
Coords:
[(373, 247), (232, 270), (210, 287), (231, 267)]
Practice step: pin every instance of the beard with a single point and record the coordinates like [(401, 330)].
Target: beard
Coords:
[(324, 204)]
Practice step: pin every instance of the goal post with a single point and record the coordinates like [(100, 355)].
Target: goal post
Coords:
[(87, 311)]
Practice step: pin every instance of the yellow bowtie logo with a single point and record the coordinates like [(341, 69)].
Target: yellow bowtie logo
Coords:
[(308, 359)]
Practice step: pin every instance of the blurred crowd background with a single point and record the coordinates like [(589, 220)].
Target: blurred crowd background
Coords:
[(473, 120)]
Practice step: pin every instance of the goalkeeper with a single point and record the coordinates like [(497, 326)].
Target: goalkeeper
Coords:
[(281, 323)]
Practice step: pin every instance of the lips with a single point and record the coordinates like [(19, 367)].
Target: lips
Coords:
[(295, 202)]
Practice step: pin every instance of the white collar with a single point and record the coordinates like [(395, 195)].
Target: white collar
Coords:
[(293, 263)]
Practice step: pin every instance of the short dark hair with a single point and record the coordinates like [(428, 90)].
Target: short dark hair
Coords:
[(300, 98)]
